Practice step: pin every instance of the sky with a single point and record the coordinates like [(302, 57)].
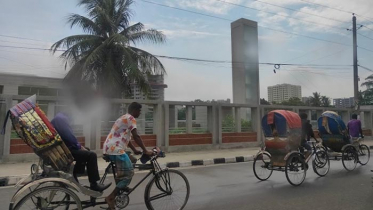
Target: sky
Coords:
[(195, 36)]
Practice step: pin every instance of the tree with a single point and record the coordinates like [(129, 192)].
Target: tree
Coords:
[(105, 55), (315, 99), (295, 101), (366, 97), (264, 102), (325, 101), (228, 124)]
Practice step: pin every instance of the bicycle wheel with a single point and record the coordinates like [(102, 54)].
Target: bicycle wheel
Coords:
[(349, 158), (364, 154), (51, 197), (261, 167), (295, 169), (321, 163), (168, 190)]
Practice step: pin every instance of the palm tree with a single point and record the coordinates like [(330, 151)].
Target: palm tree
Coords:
[(106, 56), (315, 100)]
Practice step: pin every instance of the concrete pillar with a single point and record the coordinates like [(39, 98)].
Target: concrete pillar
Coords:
[(158, 124), (220, 119), (166, 124), (6, 137), (368, 119), (256, 123), (189, 119), (345, 116), (309, 113), (245, 67), (87, 133), (237, 117), (51, 110), (173, 117), (96, 137), (212, 123)]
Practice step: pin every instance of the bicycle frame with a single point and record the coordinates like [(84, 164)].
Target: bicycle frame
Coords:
[(154, 170)]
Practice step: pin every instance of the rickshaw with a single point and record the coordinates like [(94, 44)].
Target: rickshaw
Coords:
[(281, 150), (341, 146), (54, 186)]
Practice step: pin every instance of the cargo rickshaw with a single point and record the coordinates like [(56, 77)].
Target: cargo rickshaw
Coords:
[(340, 145), (53, 186), (281, 150)]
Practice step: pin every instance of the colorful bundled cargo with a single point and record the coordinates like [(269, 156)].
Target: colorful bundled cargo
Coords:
[(34, 128)]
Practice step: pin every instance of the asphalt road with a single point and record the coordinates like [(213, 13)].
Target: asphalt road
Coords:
[(234, 187)]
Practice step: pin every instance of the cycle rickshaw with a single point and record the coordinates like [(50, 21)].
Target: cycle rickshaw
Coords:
[(280, 152), (335, 137), (55, 186)]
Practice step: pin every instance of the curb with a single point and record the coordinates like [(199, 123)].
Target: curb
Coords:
[(12, 180)]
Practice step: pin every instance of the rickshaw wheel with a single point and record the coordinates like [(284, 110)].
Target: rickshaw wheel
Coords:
[(295, 169), (321, 163), (50, 197), (349, 158), (261, 166), (364, 154)]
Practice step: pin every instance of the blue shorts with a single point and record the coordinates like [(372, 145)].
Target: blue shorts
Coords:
[(124, 170)]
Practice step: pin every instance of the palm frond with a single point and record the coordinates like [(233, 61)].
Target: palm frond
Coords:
[(151, 35), (85, 23)]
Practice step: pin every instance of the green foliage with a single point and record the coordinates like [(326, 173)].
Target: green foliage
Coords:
[(105, 56), (293, 102), (264, 102)]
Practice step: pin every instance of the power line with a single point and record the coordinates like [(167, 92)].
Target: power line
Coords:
[(365, 49), (29, 65), (17, 37), (295, 10), (273, 13), (19, 42), (225, 19), (365, 36), (195, 59), (337, 9)]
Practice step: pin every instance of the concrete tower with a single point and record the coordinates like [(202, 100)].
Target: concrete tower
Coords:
[(245, 58)]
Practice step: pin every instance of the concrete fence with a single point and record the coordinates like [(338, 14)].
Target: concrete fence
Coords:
[(206, 125)]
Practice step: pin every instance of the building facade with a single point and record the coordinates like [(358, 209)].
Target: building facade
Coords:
[(283, 92), (344, 102)]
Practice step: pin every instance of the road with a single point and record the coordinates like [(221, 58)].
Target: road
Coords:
[(234, 187)]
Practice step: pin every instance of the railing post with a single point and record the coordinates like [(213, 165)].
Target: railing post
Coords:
[(8, 129), (51, 110), (166, 125), (237, 117), (159, 126), (212, 123), (220, 120), (189, 119), (255, 122)]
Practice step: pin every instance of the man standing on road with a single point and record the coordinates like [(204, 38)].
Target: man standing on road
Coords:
[(354, 128), (81, 155), (115, 146)]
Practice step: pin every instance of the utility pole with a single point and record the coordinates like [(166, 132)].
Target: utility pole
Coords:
[(356, 77)]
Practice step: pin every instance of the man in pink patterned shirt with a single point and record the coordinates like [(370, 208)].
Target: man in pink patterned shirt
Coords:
[(116, 144)]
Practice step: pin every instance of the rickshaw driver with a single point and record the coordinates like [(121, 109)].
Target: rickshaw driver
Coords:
[(307, 132), (354, 128)]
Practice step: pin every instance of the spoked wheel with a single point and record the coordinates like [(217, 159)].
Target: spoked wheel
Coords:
[(321, 163), (349, 158), (364, 154), (261, 167), (48, 198), (168, 190), (295, 169)]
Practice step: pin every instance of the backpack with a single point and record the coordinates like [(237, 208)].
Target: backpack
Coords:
[(33, 127)]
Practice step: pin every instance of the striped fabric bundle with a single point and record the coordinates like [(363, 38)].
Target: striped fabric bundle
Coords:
[(32, 125)]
